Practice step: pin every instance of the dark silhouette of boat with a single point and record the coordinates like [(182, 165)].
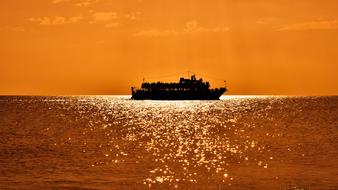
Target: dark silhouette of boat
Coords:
[(185, 89)]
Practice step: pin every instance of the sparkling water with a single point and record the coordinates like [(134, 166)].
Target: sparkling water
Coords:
[(112, 142)]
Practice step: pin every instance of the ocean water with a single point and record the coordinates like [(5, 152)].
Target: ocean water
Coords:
[(111, 142)]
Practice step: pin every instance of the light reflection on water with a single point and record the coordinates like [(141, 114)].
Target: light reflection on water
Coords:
[(240, 141)]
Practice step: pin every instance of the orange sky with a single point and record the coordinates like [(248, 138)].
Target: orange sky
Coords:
[(58, 47)]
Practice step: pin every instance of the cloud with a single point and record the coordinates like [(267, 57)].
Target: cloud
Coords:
[(132, 16), (156, 33), (78, 3), (57, 20), (107, 19), (193, 27), (315, 25), (85, 3), (264, 21), (112, 25), (190, 27), (103, 17), (59, 1)]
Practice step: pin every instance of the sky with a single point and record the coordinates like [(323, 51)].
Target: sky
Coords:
[(89, 47)]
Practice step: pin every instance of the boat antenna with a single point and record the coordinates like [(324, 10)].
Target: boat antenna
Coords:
[(190, 73)]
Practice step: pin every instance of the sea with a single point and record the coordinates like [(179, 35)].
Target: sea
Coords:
[(112, 142)]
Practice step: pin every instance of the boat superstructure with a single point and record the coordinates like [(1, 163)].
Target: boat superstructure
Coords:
[(186, 89)]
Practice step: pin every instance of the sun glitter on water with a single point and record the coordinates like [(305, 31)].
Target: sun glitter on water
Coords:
[(186, 141)]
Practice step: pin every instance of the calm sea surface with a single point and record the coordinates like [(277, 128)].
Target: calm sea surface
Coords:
[(111, 142)]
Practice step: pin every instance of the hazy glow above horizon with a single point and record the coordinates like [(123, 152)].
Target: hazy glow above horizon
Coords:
[(62, 47)]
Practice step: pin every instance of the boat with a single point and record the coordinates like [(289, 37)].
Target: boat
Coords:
[(185, 89)]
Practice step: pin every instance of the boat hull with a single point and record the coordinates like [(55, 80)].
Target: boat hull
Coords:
[(213, 94)]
